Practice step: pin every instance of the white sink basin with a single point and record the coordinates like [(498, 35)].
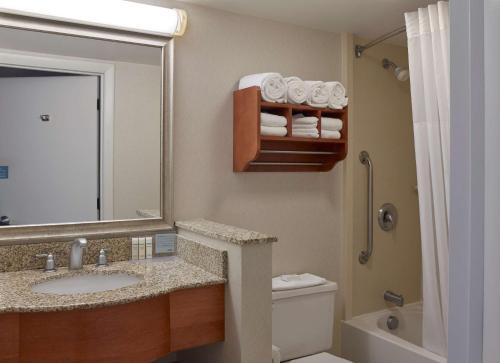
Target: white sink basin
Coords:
[(86, 283)]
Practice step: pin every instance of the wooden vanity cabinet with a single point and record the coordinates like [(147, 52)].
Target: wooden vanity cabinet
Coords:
[(140, 331)]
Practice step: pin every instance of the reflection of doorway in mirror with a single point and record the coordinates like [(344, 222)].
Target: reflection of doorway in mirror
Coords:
[(15, 64), (49, 139), (130, 91)]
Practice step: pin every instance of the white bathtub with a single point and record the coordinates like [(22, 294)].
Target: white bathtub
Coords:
[(366, 338)]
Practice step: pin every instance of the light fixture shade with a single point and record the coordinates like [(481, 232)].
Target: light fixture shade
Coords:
[(116, 14)]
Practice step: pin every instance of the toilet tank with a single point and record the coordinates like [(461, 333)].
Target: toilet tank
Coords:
[(303, 320)]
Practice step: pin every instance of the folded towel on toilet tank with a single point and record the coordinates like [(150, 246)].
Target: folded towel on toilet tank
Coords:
[(294, 281)]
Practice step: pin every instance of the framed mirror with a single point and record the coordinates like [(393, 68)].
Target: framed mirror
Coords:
[(85, 130)]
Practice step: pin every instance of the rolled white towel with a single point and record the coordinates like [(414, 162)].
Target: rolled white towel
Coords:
[(302, 133), (272, 86), (318, 94), (297, 90), (304, 127), (269, 119), (337, 89), (337, 98), (330, 134), (273, 131), (331, 124), (300, 119), (338, 104)]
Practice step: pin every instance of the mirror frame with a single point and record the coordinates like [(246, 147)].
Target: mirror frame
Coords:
[(107, 229)]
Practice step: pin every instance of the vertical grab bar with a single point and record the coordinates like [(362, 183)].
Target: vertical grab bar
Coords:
[(365, 255)]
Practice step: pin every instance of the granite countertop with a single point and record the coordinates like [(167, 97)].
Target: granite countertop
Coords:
[(160, 276), (225, 232)]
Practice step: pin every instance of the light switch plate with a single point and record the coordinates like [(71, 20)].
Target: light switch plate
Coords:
[(4, 172)]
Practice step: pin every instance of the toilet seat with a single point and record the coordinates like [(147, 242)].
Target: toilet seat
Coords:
[(320, 358)]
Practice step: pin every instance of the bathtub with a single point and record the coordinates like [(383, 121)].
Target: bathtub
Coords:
[(366, 338)]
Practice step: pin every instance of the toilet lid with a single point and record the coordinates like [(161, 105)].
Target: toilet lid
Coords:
[(320, 358)]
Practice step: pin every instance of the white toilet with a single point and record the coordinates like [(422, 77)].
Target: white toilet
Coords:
[(303, 324)]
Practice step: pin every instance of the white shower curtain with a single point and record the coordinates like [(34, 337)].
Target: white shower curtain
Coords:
[(428, 51)]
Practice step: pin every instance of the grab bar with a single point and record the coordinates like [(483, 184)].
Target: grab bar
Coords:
[(365, 255)]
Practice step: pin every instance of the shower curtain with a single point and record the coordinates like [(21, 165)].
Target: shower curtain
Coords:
[(429, 61)]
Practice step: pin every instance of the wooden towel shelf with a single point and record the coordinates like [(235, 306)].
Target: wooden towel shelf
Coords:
[(254, 152)]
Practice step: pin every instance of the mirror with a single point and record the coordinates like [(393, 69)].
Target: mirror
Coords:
[(80, 129)]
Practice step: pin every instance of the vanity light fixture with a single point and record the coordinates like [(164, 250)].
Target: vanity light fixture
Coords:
[(116, 14)]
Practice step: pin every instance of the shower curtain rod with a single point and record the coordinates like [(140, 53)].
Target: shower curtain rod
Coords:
[(359, 49)]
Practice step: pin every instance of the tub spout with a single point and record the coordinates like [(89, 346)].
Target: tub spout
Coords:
[(394, 298)]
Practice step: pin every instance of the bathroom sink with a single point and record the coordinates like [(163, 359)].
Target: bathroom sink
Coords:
[(86, 283)]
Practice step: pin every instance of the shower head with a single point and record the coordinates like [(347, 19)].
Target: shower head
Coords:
[(401, 74)]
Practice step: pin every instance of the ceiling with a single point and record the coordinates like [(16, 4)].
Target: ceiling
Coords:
[(365, 18)]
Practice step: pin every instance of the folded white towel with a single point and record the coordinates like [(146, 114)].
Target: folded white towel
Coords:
[(289, 282), (304, 126), (272, 86), (297, 90), (331, 124), (337, 98), (269, 119), (318, 94), (301, 133), (330, 134), (273, 131), (300, 119)]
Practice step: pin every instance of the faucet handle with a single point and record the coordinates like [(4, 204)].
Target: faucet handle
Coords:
[(102, 260), (50, 264)]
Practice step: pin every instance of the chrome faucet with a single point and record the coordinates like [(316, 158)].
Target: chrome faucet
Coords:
[(76, 255), (394, 298)]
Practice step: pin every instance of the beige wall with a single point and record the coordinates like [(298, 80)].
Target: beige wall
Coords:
[(137, 138), (302, 209), (383, 126)]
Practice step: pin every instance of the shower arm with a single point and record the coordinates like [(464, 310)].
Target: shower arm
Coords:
[(386, 64), (365, 255), (359, 49)]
